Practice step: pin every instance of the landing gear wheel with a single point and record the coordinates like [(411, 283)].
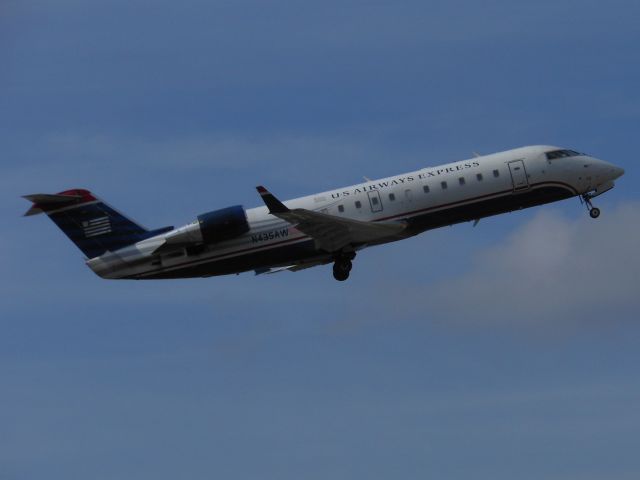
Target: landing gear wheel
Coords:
[(340, 275), (594, 212), (341, 270)]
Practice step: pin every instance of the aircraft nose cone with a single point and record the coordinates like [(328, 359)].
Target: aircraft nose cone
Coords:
[(616, 172), (610, 171)]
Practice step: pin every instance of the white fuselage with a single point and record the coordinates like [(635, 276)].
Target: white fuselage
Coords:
[(428, 198)]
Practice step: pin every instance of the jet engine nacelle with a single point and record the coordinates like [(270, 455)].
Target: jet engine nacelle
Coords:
[(210, 227), (223, 224)]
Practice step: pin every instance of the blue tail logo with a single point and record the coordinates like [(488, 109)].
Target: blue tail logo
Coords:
[(94, 226)]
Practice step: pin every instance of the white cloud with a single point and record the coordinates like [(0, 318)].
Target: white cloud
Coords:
[(549, 270)]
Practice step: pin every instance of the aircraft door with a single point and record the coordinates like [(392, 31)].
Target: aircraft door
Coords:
[(375, 201), (518, 175)]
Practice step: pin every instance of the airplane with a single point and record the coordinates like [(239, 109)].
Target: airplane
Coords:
[(327, 227)]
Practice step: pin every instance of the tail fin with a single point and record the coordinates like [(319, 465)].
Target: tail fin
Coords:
[(91, 224)]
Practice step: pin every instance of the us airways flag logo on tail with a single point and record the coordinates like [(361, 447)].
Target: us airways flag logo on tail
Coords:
[(97, 226), (90, 223)]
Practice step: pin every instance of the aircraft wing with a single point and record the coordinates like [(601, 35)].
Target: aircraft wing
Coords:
[(331, 233)]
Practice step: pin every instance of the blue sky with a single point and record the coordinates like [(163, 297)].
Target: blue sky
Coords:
[(508, 350)]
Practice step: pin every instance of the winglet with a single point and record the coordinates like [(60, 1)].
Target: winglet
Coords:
[(273, 204)]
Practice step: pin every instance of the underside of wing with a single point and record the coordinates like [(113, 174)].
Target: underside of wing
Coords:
[(292, 268)]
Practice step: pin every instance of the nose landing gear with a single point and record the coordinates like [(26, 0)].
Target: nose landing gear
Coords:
[(342, 266), (594, 212)]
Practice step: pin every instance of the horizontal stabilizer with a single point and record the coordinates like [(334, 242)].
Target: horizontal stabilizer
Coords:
[(46, 200)]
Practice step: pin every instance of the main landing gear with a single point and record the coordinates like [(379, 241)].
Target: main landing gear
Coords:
[(342, 266), (594, 212)]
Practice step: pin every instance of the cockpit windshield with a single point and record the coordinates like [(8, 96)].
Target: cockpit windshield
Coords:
[(562, 154)]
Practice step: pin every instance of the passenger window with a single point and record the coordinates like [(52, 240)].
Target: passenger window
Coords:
[(341, 208), (358, 204), (374, 200), (496, 173), (426, 188), (461, 181), (392, 196), (479, 177), (443, 185)]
